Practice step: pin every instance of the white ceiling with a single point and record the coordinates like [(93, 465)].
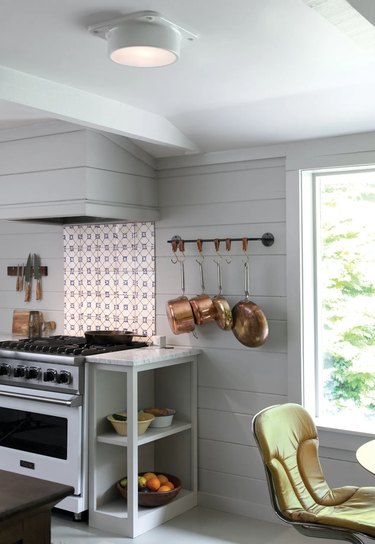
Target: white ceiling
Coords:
[(261, 72)]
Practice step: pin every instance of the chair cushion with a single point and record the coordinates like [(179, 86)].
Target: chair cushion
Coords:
[(288, 439), (357, 513)]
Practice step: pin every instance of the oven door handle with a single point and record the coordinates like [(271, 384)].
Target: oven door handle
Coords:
[(76, 400)]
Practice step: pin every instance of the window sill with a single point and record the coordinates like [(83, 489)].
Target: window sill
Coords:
[(332, 435)]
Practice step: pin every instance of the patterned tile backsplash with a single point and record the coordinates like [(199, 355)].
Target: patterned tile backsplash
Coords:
[(109, 278)]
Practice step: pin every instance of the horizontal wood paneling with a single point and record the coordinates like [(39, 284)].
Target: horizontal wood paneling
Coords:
[(217, 186), (209, 336), (236, 459), (106, 152), (230, 400), (225, 427), (198, 215), (17, 240), (237, 487), (228, 200), (267, 277), (236, 159), (41, 153)]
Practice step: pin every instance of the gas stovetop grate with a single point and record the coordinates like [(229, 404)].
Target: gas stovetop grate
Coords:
[(65, 345)]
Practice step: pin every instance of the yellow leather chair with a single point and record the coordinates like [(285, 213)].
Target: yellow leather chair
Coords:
[(288, 442)]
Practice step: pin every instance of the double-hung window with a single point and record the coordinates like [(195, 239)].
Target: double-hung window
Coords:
[(338, 286)]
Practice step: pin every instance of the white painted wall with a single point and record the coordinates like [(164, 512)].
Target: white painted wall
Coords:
[(231, 194), (17, 240), (236, 199), (236, 194), (42, 160)]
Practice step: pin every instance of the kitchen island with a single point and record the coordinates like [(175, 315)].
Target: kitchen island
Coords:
[(25, 508), (129, 381)]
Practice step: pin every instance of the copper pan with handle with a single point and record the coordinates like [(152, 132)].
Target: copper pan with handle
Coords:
[(179, 312), (202, 305), (223, 313), (250, 325)]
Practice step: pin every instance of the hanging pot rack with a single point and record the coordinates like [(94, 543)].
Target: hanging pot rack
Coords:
[(267, 239)]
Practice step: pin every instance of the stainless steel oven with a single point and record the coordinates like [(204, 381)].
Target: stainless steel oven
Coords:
[(41, 435), (43, 411)]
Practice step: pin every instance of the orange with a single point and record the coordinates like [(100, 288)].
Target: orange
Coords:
[(162, 479), (149, 475), (169, 485), (153, 484), (164, 489)]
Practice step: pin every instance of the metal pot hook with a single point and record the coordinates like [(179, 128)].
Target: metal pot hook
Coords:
[(244, 249), (200, 257), (228, 245)]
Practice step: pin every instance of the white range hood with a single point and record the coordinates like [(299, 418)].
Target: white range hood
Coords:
[(75, 176)]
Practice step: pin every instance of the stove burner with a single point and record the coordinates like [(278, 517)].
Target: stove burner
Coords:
[(65, 345)]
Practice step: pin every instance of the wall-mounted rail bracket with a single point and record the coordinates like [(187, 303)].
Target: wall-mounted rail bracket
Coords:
[(267, 239), (15, 270)]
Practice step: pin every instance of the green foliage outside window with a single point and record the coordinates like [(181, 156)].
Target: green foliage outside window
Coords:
[(347, 291)]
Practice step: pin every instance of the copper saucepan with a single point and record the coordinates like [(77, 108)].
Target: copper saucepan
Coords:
[(223, 313), (202, 305), (250, 325), (179, 311)]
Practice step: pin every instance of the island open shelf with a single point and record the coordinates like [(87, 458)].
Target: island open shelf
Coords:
[(169, 382)]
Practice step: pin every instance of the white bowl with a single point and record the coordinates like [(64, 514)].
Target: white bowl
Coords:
[(121, 427), (164, 420)]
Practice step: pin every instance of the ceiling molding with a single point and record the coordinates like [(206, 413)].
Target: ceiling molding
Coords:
[(346, 17), (90, 110)]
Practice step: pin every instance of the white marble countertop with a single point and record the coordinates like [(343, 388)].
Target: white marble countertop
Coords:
[(142, 356)]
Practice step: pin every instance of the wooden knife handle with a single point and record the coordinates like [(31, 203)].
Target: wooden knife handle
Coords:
[(27, 292), (18, 283), (38, 290)]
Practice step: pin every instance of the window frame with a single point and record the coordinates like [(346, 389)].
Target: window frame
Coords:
[(300, 172)]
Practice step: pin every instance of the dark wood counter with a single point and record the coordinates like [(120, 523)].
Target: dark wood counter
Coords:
[(25, 508)]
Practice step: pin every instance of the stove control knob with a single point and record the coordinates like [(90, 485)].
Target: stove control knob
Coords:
[(50, 375), (65, 377), (33, 373), (5, 369), (19, 371)]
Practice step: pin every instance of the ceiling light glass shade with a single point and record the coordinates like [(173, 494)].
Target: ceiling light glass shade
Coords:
[(143, 44)]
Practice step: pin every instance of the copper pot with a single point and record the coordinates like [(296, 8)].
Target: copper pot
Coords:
[(250, 325), (202, 305), (179, 311), (223, 313)]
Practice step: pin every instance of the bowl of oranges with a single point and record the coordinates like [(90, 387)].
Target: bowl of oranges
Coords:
[(154, 488)]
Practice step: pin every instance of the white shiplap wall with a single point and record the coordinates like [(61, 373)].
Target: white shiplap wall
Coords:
[(231, 199), (229, 194), (16, 241), (236, 194)]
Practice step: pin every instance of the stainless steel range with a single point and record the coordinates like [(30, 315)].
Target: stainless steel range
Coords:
[(43, 410)]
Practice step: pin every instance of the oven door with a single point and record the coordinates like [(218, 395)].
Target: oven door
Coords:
[(40, 435)]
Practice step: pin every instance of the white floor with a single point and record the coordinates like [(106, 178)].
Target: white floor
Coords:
[(197, 526)]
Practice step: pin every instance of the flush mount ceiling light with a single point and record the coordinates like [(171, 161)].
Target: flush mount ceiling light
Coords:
[(348, 19), (144, 39)]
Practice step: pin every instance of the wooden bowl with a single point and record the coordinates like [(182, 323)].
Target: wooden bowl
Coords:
[(154, 498), (121, 427)]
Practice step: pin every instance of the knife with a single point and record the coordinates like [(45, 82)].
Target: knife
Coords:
[(18, 278), (28, 278), (37, 274), (21, 277)]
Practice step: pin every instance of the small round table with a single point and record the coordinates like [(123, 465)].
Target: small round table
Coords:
[(366, 456)]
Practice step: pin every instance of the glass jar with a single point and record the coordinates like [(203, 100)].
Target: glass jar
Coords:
[(35, 324)]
